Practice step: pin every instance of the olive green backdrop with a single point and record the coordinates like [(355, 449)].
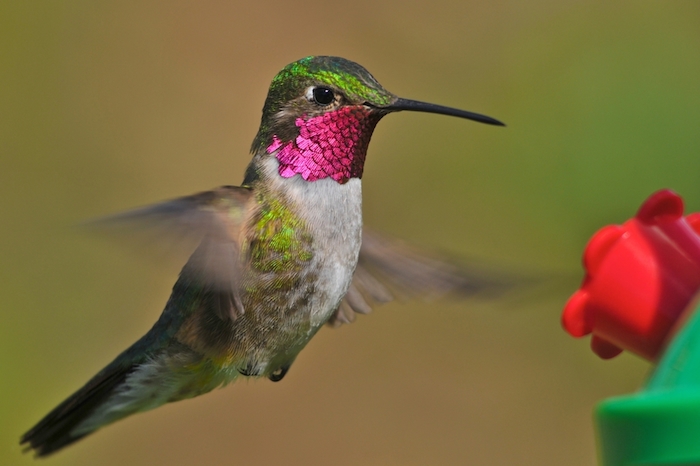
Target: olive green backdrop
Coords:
[(107, 106)]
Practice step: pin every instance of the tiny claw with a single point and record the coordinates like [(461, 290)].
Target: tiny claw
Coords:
[(278, 374), (249, 370)]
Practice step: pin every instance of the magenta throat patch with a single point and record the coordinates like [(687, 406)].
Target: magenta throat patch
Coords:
[(330, 145)]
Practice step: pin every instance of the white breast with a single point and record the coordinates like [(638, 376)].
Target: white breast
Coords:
[(333, 213)]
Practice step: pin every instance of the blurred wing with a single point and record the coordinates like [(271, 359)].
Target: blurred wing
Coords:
[(208, 223), (389, 268)]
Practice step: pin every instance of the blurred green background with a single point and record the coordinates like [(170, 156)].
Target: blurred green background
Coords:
[(107, 106)]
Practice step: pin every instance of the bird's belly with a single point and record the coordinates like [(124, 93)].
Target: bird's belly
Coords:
[(280, 320), (299, 254)]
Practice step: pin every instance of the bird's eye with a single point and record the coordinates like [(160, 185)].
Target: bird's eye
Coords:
[(323, 95)]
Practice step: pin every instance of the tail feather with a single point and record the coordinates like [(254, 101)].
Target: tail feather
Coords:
[(58, 428)]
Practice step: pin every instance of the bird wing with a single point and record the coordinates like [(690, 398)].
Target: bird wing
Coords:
[(389, 268), (208, 223)]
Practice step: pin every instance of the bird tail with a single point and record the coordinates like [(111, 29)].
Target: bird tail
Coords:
[(61, 427)]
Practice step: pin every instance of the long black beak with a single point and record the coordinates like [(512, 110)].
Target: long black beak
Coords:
[(416, 106)]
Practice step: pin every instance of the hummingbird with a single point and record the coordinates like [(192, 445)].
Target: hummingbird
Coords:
[(275, 259)]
